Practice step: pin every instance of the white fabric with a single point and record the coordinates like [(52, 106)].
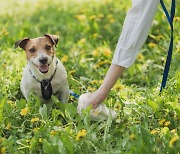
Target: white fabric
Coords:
[(135, 31), (99, 113)]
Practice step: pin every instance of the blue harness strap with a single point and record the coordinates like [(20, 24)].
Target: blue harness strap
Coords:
[(169, 55)]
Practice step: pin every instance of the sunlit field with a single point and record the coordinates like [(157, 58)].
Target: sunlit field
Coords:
[(88, 31)]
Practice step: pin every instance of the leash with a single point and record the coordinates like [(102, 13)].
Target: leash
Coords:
[(73, 94), (170, 18)]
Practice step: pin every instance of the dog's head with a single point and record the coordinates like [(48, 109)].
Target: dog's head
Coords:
[(39, 51)]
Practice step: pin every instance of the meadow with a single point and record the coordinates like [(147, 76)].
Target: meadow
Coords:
[(88, 30)]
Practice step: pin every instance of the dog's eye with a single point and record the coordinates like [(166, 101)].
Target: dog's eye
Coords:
[(48, 47), (32, 50)]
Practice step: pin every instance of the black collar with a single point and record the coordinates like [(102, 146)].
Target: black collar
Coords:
[(46, 88)]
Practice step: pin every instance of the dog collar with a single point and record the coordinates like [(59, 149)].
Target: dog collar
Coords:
[(46, 87)]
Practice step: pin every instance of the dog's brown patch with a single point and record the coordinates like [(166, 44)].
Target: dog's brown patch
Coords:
[(40, 44)]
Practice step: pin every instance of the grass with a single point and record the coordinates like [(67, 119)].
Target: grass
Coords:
[(88, 31)]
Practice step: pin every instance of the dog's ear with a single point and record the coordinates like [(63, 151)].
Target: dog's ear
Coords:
[(54, 38), (22, 43)]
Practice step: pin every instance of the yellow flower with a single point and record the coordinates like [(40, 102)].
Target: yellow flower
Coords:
[(173, 140), (167, 123), (118, 87), (111, 20), (101, 81), (27, 141), (176, 18), (3, 150), (106, 52), (95, 53), (64, 59), (24, 111), (140, 57), (161, 122), (100, 15), (173, 130), (94, 81), (82, 133), (40, 140), (53, 132), (2, 139), (8, 126), (117, 106), (80, 17), (152, 45), (36, 129), (95, 35), (154, 131), (132, 136), (81, 41), (34, 119), (93, 17)]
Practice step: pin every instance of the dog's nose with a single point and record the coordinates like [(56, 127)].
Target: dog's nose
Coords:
[(43, 60)]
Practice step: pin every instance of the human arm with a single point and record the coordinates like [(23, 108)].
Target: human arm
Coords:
[(134, 33)]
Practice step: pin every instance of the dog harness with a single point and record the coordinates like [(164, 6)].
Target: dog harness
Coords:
[(46, 87)]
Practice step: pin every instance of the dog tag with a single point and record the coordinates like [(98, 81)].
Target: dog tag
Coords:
[(46, 89)]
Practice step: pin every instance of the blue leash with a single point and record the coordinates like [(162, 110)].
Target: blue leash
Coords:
[(169, 55), (74, 94)]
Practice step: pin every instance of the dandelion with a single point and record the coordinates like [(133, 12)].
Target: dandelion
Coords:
[(173, 131), (160, 37), (2, 139), (140, 57), (95, 53), (111, 20), (53, 132), (80, 17), (36, 129), (34, 119), (64, 59), (100, 15), (24, 111), (81, 134), (173, 140), (106, 52), (94, 81), (132, 136), (40, 140), (167, 123), (152, 45), (117, 106), (83, 40), (93, 17), (176, 18), (95, 35), (8, 126), (3, 150), (154, 131), (161, 122)]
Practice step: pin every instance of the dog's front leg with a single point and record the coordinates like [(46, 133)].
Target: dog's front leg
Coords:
[(64, 95)]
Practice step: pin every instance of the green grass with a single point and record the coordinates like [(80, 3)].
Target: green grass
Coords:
[(88, 30)]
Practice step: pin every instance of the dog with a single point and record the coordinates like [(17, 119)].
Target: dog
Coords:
[(44, 74)]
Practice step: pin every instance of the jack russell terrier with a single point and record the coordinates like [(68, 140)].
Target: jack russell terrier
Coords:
[(44, 73)]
